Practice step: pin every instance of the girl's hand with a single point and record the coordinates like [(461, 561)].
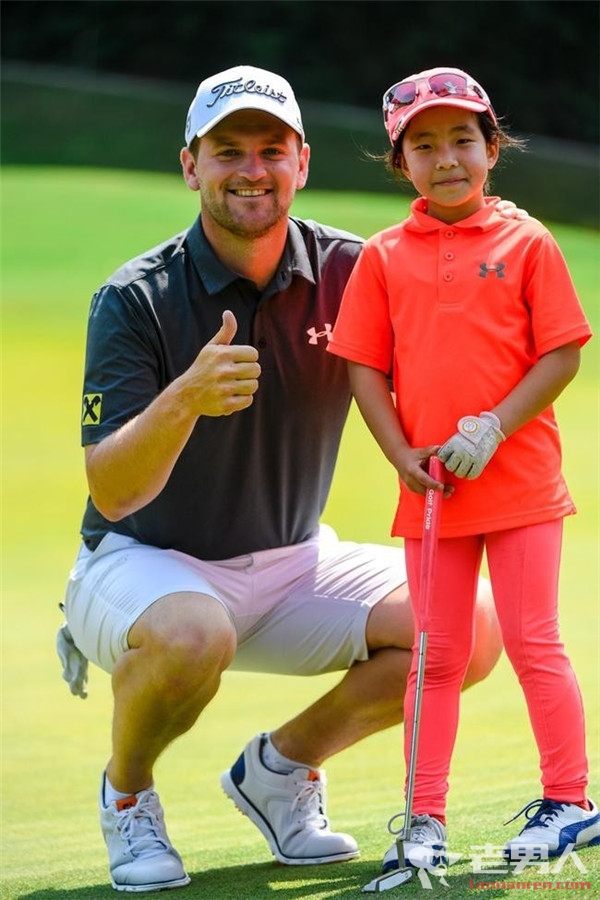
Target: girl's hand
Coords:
[(412, 468)]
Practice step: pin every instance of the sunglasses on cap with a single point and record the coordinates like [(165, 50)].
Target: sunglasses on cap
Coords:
[(443, 84)]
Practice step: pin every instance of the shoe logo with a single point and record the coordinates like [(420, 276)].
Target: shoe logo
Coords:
[(315, 335), (498, 269), (126, 803), (312, 775)]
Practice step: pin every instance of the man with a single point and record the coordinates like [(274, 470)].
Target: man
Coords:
[(211, 422)]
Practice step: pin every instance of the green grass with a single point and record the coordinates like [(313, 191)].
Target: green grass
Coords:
[(63, 232)]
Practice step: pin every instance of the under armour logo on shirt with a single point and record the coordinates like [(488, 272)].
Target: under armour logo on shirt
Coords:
[(498, 269), (315, 335)]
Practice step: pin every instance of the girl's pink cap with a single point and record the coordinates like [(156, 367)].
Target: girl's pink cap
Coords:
[(432, 89)]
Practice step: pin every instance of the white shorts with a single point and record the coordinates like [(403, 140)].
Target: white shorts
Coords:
[(297, 610)]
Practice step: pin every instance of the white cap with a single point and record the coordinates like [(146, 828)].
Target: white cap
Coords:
[(242, 87)]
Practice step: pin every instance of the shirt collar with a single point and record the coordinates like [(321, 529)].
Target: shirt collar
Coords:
[(483, 220), (216, 276)]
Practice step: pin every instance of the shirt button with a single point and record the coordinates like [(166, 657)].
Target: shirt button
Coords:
[(262, 343), (448, 255), (448, 276), (449, 234)]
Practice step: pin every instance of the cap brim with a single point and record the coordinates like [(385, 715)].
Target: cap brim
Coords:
[(238, 106), (458, 102)]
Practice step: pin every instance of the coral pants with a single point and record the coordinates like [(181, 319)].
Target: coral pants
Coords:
[(524, 567)]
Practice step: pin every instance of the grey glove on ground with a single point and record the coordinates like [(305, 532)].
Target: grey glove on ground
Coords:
[(75, 665)]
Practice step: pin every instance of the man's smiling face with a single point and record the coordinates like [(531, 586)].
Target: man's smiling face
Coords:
[(248, 169)]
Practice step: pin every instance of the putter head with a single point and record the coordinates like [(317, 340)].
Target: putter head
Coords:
[(389, 880)]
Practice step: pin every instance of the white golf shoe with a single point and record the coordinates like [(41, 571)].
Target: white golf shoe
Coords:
[(552, 828), (141, 856), (426, 848), (289, 810)]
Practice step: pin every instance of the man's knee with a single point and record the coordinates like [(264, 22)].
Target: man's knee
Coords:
[(391, 622), (186, 632)]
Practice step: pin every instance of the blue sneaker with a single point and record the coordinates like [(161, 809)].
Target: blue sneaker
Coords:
[(552, 828)]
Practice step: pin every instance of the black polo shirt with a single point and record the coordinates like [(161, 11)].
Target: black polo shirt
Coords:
[(256, 479)]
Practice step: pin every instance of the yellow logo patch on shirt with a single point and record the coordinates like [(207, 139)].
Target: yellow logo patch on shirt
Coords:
[(92, 409)]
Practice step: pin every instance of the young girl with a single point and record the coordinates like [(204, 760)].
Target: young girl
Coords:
[(476, 318)]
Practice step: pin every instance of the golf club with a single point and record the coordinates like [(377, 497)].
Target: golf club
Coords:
[(431, 519)]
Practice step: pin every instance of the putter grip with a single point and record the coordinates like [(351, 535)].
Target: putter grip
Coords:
[(431, 523)]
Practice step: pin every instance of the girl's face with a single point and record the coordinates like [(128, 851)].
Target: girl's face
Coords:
[(445, 155)]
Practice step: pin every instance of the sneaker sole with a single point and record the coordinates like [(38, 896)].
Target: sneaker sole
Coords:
[(513, 855), (159, 886), (246, 807)]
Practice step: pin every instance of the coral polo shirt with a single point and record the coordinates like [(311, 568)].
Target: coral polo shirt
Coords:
[(459, 314)]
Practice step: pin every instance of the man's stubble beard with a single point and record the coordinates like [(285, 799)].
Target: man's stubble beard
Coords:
[(249, 225)]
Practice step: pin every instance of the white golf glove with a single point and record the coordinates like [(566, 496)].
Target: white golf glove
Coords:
[(469, 451), (75, 665)]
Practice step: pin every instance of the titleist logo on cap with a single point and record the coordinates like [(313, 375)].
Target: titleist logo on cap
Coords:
[(238, 86)]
